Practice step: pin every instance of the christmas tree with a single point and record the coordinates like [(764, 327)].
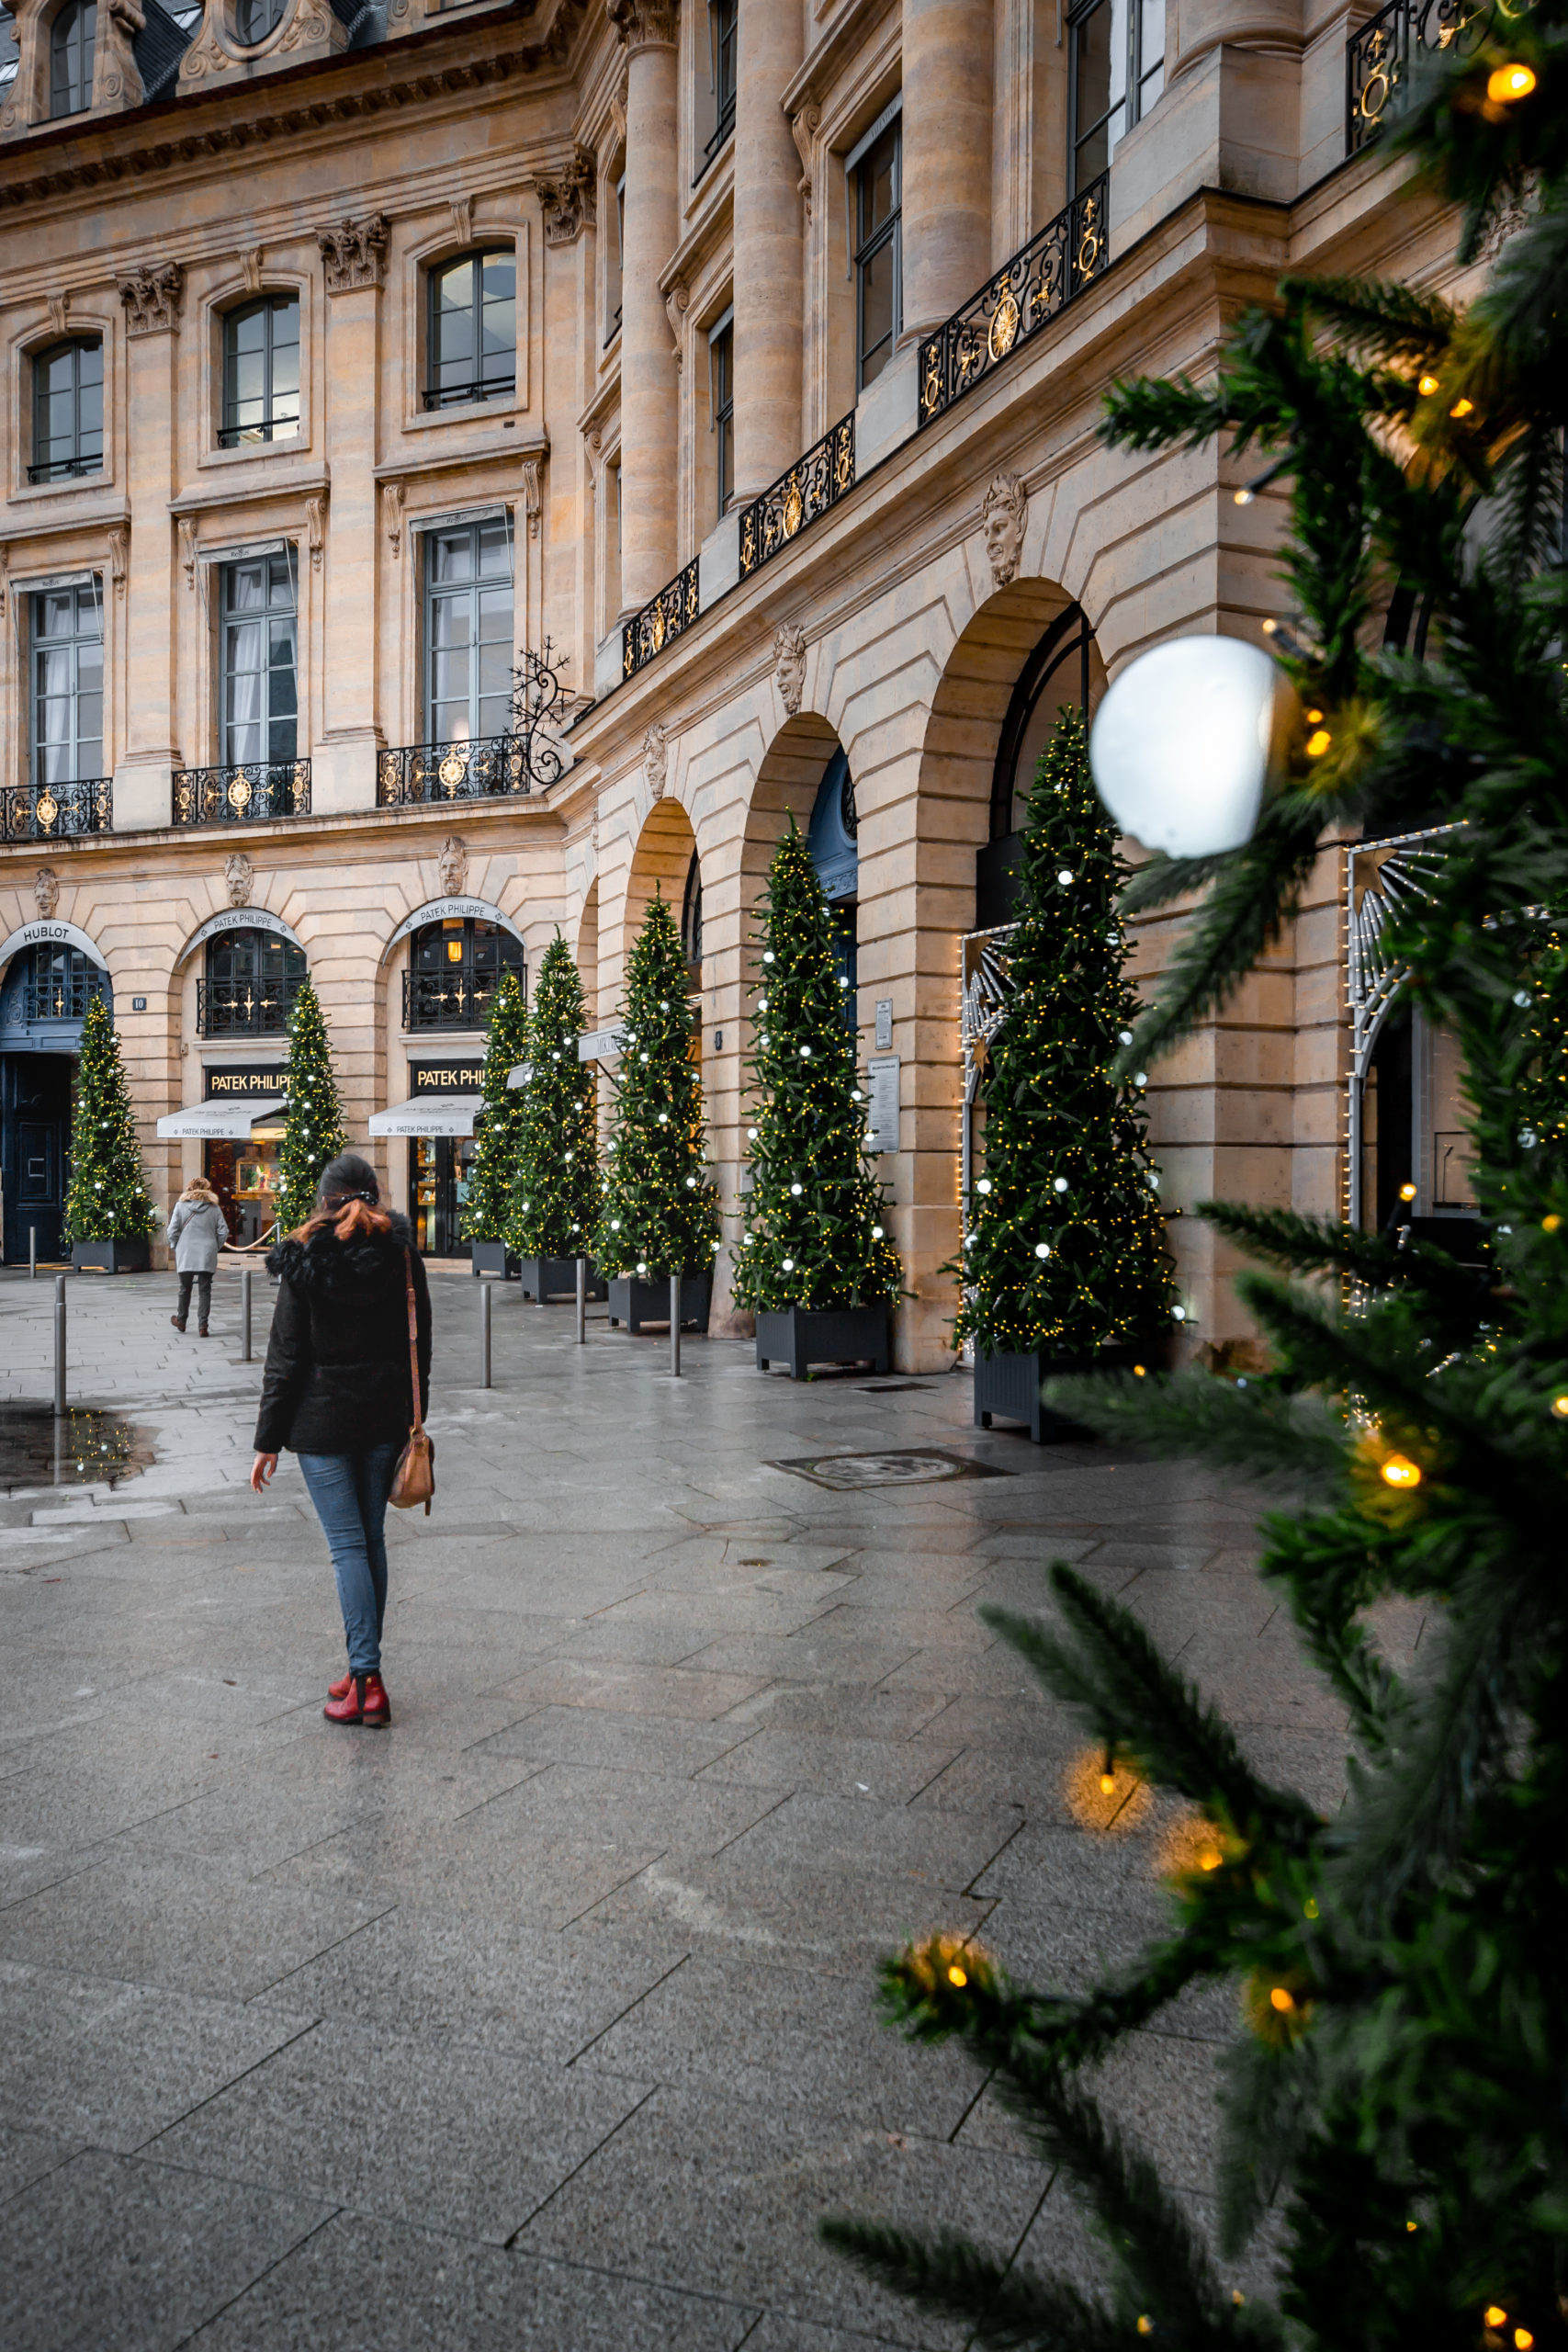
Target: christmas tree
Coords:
[(813, 1220), (313, 1130), (107, 1198), (555, 1184), (1393, 2108), (659, 1215), (1066, 1244), (499, 1121)]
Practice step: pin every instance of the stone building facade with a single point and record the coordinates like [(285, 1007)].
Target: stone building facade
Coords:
[(751, 353)]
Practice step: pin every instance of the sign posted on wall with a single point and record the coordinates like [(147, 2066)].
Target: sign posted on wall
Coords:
[(882, 1119)]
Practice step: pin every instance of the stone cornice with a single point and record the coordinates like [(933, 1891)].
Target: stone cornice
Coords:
[(95, 152), (312, 482)]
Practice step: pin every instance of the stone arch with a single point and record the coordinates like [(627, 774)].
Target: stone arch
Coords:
[(586, 955), (661, 862)]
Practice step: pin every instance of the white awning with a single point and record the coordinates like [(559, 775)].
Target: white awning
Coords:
[(229, 1118), (429, 1114), (521, 1074)]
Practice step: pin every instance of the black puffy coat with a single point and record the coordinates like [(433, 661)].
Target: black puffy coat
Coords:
[(337, 1363)]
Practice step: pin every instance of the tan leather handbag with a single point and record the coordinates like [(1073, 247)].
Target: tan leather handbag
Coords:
[(413, 1480)]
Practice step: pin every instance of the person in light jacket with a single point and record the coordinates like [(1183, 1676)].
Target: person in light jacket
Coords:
[(338, 1391), (196, 1230)]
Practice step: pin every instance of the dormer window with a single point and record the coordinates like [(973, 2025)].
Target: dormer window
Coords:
[(256, 20), (68, 410), (71, 46), (473, 330), (261, 371)]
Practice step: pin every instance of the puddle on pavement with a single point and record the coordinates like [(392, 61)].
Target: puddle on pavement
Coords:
[(83, 1448)]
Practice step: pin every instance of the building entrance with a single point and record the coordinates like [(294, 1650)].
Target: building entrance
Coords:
[(35, 1140), (438, 1190)]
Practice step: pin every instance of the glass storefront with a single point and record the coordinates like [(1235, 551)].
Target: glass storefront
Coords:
[(244, 1177), (439, 1190)]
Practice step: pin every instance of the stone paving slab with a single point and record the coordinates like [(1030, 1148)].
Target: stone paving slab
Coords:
[(547, 2017)]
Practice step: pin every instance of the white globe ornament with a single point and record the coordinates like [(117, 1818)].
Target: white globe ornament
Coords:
[(1188, 741)]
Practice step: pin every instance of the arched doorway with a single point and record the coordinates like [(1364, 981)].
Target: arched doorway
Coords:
[(47, 987), (456, 966), (1064, 671)]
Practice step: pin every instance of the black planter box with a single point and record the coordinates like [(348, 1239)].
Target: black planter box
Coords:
[(799, 1336), (492, 1258), (1008, 1385), (547, 1278), (111, 1257), (634, 1301)]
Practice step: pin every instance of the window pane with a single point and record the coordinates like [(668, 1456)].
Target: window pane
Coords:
[(877, 176), (1100, 67), (877, 291), (55, 613), (495, 551), (454, 553)]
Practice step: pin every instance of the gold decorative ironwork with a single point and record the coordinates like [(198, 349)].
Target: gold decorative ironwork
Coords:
[(811, 485), (664, 617), (239, 794), (1038, 282), (55, 810), (489, 768), (256, 792), (1378, 57), (452, 771), (48, 811)]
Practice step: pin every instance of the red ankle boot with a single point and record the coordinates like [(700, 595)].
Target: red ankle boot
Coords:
[(341, 1690), (375, 1707), (350, 1708)]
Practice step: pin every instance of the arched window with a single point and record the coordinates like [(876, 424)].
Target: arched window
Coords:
[(256, 20), (70, 47), (10, 47), (832, 838), (1054, 677), (472, 329), (61, 984), (253, 978), (68, 410), (261, 371), (454, 971), (692, 919)]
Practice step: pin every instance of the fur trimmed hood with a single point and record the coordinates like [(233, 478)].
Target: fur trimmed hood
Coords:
[(326, 1264)]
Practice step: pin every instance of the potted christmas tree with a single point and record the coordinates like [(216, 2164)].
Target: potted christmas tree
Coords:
[(496, 1134), (313, 1130), (110, 1216), (1064, 1264), (658, 1215), (813, 1261), (555, 1181)]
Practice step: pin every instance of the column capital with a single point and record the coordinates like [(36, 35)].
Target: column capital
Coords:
[(355, 253), (644, 23), (152, 298), (566, 198)]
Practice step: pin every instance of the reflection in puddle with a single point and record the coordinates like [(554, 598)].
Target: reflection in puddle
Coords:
[(83, 1448)]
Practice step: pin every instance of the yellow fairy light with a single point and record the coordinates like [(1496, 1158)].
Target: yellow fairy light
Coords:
[(1509, 83), (1313, 718), (1560, 1407), (1495, 2316), (1407, 1191), (1400, 1471), (1462, 408), (1107, 1784), (1310, 1907), (1318, 742), (1146, 2324), (1549, 1224), (1412, 2226), (1282, 1999), (1522, 2336), (1427, 386), (1140, 1371)]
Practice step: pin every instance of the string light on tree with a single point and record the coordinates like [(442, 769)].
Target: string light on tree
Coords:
[(650, 1217), (498, 1122), (555, 1193), (107, 1198), (313, 1132)]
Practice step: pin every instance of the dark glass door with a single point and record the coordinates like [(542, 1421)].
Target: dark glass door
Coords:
[(34, 1152), (438, 1189)]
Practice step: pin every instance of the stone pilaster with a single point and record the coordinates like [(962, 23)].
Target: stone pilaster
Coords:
[(650, 393), (343, 761), (143, 777), (948, 47), (768, 248)]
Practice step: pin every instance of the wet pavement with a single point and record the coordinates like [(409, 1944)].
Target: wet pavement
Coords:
[(546, 2016)]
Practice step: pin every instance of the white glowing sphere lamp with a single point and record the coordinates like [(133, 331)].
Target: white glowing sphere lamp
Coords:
[(1189, 739)]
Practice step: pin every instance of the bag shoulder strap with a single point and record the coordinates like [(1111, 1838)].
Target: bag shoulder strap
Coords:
[(413, 1337)]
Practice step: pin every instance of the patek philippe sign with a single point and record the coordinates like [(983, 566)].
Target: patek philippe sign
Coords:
[(454, 911), (242, 919), (229, 1081), (445, 1078)]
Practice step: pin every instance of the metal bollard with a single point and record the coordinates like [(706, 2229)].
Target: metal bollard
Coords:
[(674, 1327), (581, 1301), (32, 1253), (59, 1345), (487, 1290), (245, 1273)]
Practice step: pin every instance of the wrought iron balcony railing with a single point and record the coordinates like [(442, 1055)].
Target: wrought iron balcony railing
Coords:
[(244, 1008), (485, 387), (63, 995), (43, 812), (491, 767), (454, 997), (65, 468), (674, 608), (1038, 282), (252, 793), (1378, 58), (813, 483)]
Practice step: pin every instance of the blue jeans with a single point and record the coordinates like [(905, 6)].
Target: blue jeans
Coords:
[(350, 1493)]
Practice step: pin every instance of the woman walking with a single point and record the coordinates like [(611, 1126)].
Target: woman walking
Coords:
[(338, 1391), (195, 1229)]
